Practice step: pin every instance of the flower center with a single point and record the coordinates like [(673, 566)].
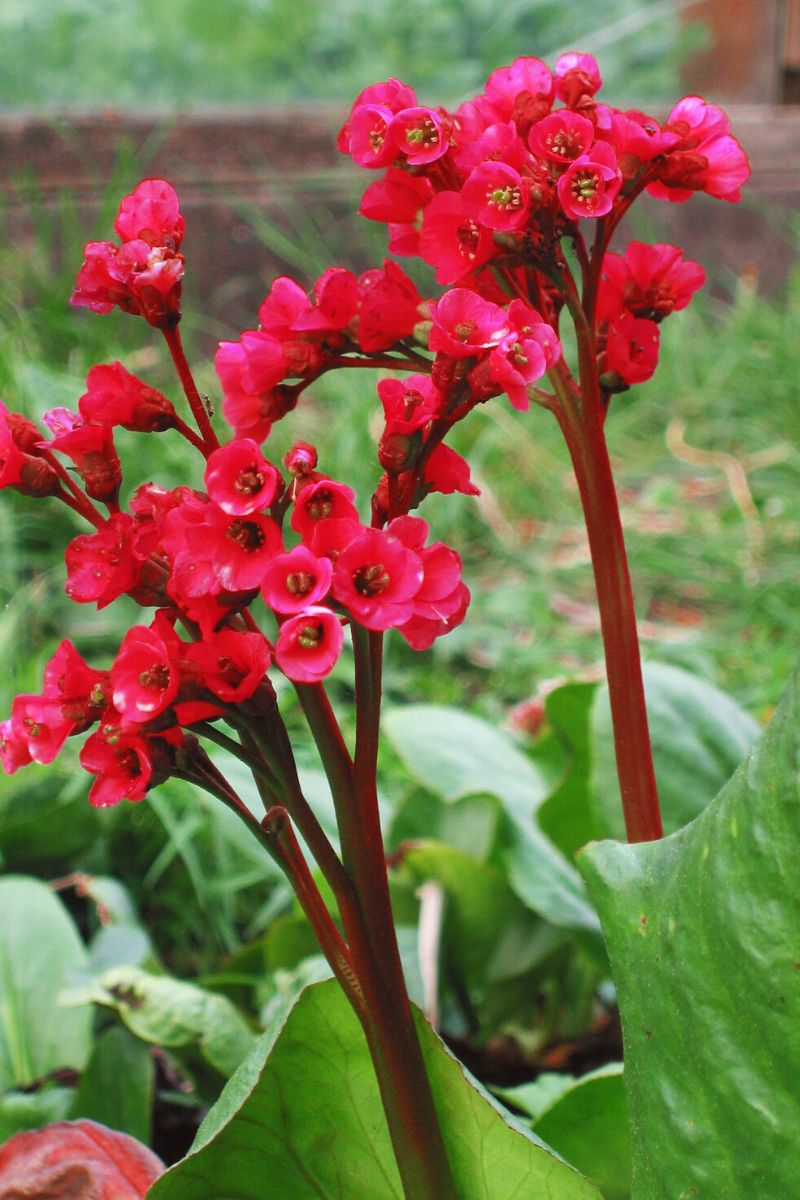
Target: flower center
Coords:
[(464, 330), (585, 186), (507, 197), (321, 506), (565, 144), (310, 636), (250, 481), (468, 236), (424, 134), (371, 580), (249, 536), (299, 582), (155, 677)]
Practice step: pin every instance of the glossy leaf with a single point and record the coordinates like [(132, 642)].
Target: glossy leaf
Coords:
[(116, 1089), (264, 1140), (39, 949), (168, 1012), (455, 754), (699, 737), (702, 930)]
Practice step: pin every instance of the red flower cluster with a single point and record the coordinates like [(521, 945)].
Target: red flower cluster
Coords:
[(486, 196), (143, 274)]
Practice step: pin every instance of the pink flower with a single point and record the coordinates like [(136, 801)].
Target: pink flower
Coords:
[(320, 501), (632, 348), (649, 281), (496, 196), (465, 325), (409, 404), (524, 355), (239, 479), (231, 664), (421, 632), (375, 579), (40, 725), (14, 752), (294, 581), (420, 134), (12, 460), (397, 197), (389, 307), (451, 240), (300, 460), (706, 158), (151, 214), (238, 548), (590, 184), (309, 644), (101, 566), (116, 397), (72, 698), (143, 679), (122, 764), (447, 472), (522, 90), (561, 137), (137, 277), (577, 76), (364, 134), (90, 445)]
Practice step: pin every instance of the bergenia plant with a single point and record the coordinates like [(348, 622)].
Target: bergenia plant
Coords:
[(257, 569)]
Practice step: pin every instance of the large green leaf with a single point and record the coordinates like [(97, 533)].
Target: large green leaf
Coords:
[(168, 1012), (39, 948), (699, 737), (116, 1089), (302, 1119), (703, 930), (455, 754)]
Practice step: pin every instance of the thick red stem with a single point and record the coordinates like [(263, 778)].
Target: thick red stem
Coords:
[(173, 339)]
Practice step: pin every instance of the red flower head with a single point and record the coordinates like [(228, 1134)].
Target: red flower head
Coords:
[(309, 644), (590, 184), (577, 77), (90, 445), (239, 479), (14, 752), (706, 158), (151, 214), (648, 281), (522, 92), (238, 548), (231, 664), (420, 134), (375, 579), (397, 197), (116, 397), (137, 277), (561, 137), (632, 348), (143, 679), (318, 502), (389, 307), (101, 566), (447, 472), (121, 762), (365, 135), (409, 404), (249, 371), (301, 460), (523, 356), (295, 581), (497, 196), (465, 325), (451, 240)]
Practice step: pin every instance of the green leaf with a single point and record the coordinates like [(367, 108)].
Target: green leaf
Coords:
[(702, 931), (455, 754), (699, 737), (39, 948), (588, 1125), (116, 1089), (168, 1012), (302, 1118), (32, 1110), (568, 816)]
